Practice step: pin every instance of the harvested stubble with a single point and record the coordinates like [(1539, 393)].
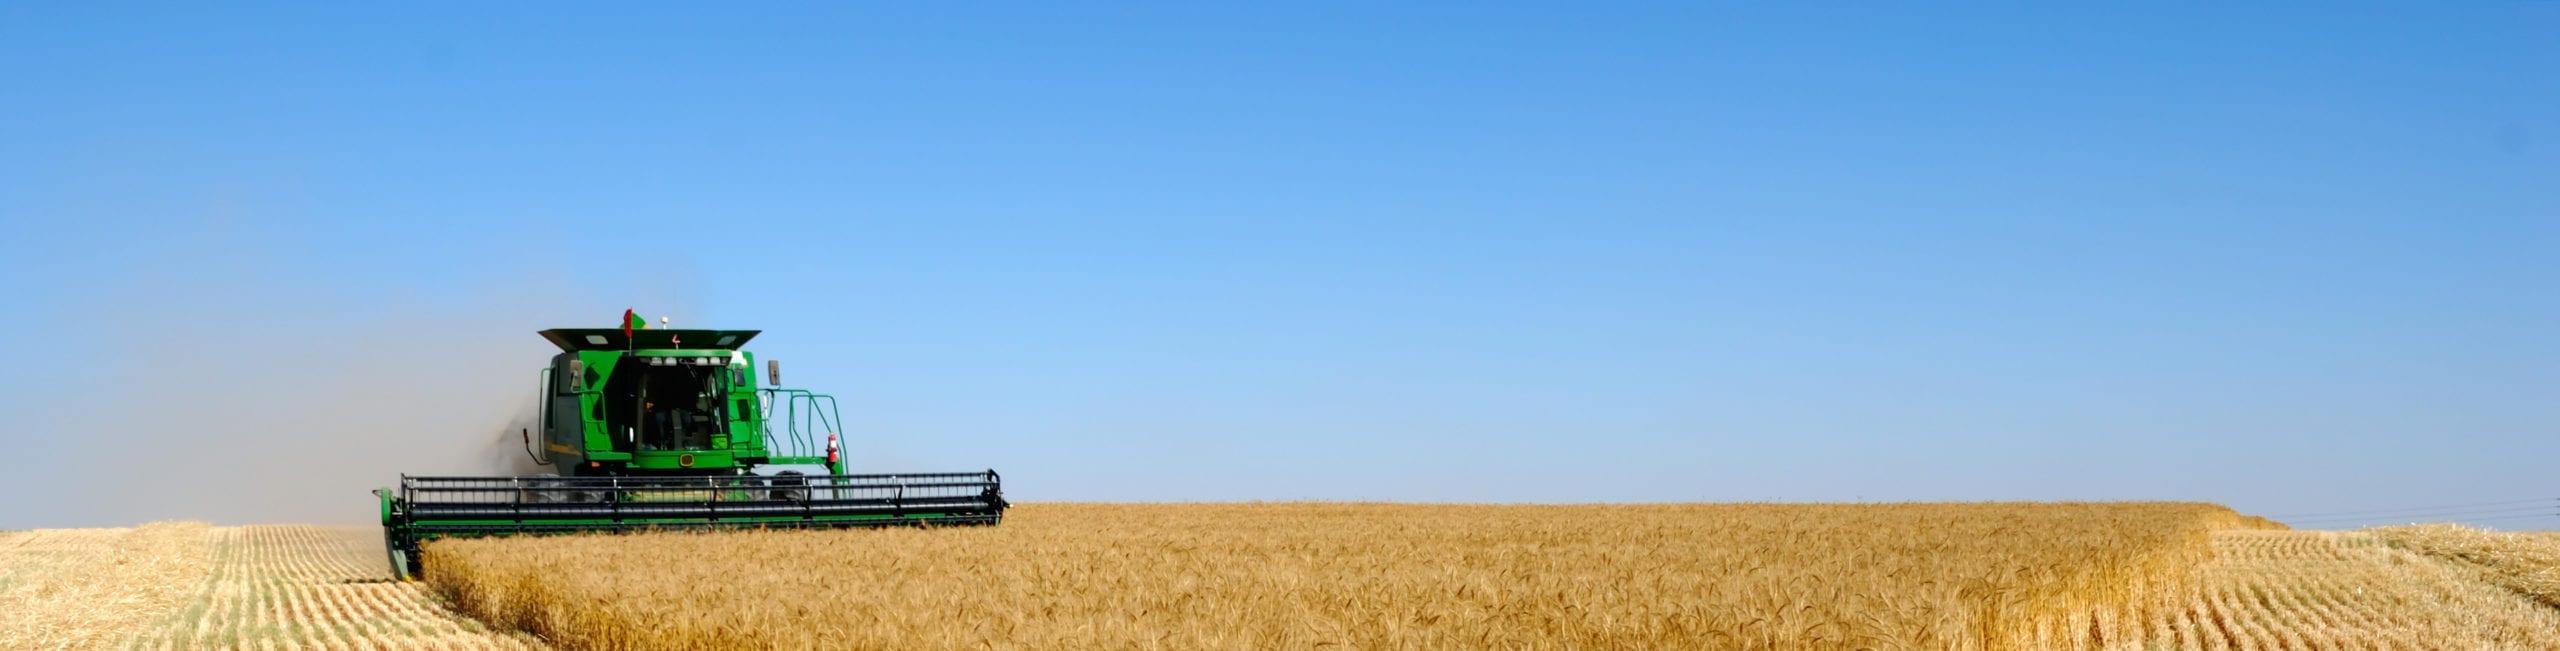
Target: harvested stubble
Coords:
[(2525, 562), (2269, 590), (192, 586), (1302, 575), (310, 587), (88, 588)]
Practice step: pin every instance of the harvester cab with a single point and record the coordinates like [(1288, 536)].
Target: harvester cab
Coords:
[(667, 429)]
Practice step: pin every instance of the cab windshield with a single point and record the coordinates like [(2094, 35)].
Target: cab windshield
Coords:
[(666, 407)]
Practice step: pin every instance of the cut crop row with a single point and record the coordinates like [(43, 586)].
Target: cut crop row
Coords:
[(2274, 590), (304, 587)]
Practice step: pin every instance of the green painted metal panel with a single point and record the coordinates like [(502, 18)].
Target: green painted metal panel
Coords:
[(600, 365), (674, 459), (746, 418)]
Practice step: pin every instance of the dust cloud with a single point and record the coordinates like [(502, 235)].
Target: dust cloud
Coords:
[(228, 389), (294, 418)]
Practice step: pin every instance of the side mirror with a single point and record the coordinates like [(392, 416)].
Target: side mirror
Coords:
[(773, 372), (577, 376)]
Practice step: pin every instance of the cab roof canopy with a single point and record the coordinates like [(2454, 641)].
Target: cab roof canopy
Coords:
[(576, 339)]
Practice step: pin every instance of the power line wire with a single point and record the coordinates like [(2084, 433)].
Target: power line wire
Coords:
[(2502, 518), (2546, 500), (2426, 516), (2547, 507), (2430, 514), (2508, 518), (2512, 517)]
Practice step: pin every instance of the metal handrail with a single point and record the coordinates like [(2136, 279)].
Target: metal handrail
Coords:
[(801, 427)]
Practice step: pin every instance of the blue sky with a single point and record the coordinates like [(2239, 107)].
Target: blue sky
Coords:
[(2296, 260)]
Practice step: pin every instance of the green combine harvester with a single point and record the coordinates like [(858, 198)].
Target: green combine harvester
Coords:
[(666, 429)]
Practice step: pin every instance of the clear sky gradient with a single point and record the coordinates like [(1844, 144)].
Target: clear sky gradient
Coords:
[(2295, 258)]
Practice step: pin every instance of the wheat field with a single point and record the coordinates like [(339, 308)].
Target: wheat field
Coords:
[(1370, 576), (1351, 576)]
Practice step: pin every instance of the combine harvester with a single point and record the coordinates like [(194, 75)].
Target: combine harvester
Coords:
[(666, 429)]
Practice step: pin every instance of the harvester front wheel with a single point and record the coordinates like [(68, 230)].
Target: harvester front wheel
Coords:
[(543, 491), (790, 485)]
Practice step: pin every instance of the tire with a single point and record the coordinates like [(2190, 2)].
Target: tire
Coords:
[(790, 485)]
